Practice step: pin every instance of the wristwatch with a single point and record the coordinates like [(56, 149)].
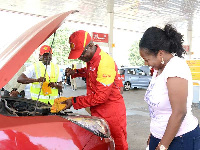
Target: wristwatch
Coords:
[(162, 147)]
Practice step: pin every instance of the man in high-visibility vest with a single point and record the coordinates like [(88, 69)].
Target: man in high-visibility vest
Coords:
[(45, 77)]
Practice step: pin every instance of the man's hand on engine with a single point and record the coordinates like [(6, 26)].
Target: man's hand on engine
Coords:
[(68, 103), (61, 103)]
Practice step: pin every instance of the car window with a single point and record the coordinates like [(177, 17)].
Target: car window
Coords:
[(139, 72), (131, 71), (121, 71)]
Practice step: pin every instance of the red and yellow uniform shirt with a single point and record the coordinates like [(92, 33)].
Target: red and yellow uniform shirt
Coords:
[(103, 94)]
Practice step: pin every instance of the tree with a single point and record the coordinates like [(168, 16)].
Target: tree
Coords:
[(59, 42), (134, 56)]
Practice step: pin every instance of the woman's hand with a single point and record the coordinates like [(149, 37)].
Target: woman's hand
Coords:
[(159, 147)]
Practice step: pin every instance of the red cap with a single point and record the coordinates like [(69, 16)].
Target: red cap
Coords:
[(45, 49), (78, 41)]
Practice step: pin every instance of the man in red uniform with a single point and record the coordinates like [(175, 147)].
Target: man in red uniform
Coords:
[(103, 86)]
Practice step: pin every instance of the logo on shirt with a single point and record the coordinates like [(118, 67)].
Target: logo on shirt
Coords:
[(106, 75)]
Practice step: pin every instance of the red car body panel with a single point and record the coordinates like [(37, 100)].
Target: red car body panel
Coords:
[(46, 133)]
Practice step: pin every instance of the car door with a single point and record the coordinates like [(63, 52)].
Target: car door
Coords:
[(143, 79)]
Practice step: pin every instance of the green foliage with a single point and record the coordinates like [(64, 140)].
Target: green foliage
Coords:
[(59, 43), (134, 56)]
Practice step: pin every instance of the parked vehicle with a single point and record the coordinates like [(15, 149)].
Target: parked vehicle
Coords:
[(134, 77), (29, 124)]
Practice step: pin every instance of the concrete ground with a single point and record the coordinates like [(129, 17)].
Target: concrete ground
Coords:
[(138, 119)]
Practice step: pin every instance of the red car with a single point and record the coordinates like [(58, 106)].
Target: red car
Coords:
[(25, 125)]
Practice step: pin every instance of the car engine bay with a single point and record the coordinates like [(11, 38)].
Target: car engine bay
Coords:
[(16, 106)]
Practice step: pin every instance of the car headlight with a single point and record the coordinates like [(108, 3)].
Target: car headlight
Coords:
[(94, 124)]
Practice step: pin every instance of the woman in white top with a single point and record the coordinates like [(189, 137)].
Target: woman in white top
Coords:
[(170, 92)]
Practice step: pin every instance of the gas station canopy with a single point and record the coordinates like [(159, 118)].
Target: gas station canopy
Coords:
[(125, 15), (130, 15)]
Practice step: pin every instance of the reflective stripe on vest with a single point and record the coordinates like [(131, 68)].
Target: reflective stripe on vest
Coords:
[(36, 87)]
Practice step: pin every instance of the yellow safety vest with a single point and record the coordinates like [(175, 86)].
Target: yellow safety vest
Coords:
[(36, 86)]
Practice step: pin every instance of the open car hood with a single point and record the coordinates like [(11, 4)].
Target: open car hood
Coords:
[(28, 123), (17, 53)]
